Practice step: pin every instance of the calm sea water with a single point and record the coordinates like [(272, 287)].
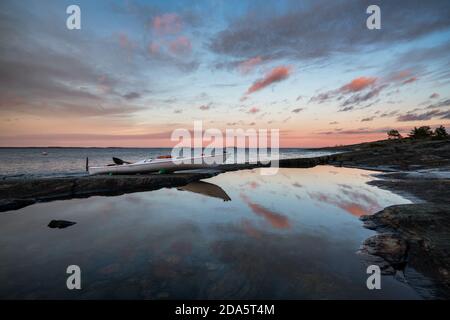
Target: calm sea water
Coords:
[(72, 161), (293, 235)]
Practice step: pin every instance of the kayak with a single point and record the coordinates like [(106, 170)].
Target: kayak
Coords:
[(163, 163)]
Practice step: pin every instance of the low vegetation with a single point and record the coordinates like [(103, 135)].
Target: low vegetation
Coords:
[(422, 132)]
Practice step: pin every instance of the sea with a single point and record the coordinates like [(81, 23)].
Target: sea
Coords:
[(52, 162)]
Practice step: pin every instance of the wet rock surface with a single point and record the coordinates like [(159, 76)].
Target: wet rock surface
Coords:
[(391, 250), (305, 162), (416, 189), (395, 155), (413, 238), (19, 193), (383, 155)]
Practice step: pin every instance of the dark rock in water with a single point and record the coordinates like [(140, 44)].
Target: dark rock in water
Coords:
[(413, 237), (390, 247), (60, 224)]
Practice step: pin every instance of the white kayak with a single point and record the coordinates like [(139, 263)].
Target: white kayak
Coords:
[(162, 163)]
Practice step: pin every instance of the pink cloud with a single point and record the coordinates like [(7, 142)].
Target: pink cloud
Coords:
[(275, 219), (248, 65), (154, 48), (254, 110), (355, 203), (125, 42), (168, 23), (401, 75), (275, 75), (358, 84), (180, 45), (254, 184), (410, 80), (405, 76), (434, 95), (250, 230)]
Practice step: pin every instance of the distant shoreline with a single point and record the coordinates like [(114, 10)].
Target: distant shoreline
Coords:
[(281, 148), (169, 148)]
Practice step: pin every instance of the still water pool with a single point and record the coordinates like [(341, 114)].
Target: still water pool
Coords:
[(238, 235)]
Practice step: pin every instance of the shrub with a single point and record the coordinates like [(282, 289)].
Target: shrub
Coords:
[(394, 134), (421, 132), (440, 133)]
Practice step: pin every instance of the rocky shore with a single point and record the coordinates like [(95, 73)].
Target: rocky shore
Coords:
[(413, 239), (424, 226), (395, 155), (19, 193)]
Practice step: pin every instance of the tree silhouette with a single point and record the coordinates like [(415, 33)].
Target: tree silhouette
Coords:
[(394, 134), (441, 133), (421, 132)]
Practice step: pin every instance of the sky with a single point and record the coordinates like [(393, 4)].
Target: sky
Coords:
[(137, 70)]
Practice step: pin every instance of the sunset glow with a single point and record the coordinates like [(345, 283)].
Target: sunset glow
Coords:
[(138, 70)]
